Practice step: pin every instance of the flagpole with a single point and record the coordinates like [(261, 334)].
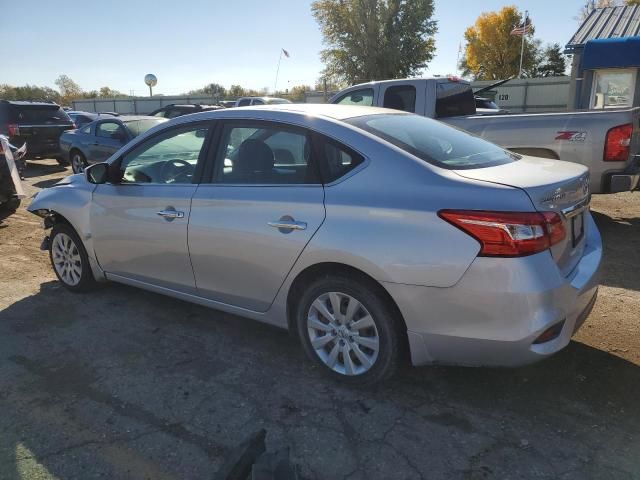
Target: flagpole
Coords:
[(524, 32), (275, 85)]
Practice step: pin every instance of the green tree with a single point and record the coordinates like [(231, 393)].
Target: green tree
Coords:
[(69, 90), (106, 92), (236, 91), (375, 39), (492, 53), (215, 90), (553, 63), (29, 92)]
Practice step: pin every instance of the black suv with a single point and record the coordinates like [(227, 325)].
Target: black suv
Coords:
[(37, 123), (171, 111)]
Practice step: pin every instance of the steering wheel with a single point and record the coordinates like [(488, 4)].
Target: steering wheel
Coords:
[(176, 170)]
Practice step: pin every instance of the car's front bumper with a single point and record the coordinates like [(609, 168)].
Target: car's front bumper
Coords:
[(493, 315)]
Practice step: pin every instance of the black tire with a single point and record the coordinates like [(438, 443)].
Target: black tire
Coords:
[(369, 295), (78, 161), (62, 161), (86, 281), (9, 207)]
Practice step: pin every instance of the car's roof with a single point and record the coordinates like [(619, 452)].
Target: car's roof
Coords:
[(132, 118), (337, 112), (29, 103)]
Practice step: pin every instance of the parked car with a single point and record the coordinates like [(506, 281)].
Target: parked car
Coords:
[(80, 119), (39, 124), (227, 103), (606, 141), (172, 111), (364, 230), (252, 101), (96, 141)]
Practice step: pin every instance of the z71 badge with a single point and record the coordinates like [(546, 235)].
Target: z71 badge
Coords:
[(572, 136)]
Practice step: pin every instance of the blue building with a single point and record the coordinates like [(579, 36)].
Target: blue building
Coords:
[(606, 59)]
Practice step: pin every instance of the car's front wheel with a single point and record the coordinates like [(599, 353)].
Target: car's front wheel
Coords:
[(347, 327), (69, 259), (78, 162)]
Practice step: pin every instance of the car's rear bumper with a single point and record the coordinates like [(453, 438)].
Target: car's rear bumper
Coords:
[(493, 315)]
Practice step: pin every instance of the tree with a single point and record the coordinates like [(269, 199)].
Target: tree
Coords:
[(590, 5), (632, 2), (29, 92), (215, 90), (375, 39), (491, 52), (236, 91), (69, 90), (297, 93), (553, 63), (106, 92)]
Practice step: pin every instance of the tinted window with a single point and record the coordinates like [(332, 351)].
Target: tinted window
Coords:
[(265, 155), (402, 97), (338, 161), (86, 129), (169, 158), (244, 102), (363, 97), (257, 101), (38, 114), (434, 142), (453, 99), (137, 127), (107, 129)]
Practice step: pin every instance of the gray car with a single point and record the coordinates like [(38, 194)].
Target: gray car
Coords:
[(368, 232)]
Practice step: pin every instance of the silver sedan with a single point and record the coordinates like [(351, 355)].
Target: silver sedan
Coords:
[(367, 232)]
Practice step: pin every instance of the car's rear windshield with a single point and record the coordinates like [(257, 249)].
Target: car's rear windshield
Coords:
[(138, 127), (434, 142), (38, 114)]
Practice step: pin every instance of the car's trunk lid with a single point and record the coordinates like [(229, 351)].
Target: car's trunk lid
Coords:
[(552, 185), (40, 125)]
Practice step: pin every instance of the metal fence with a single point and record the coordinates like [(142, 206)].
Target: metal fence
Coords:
[(549, 94), (138, 106)]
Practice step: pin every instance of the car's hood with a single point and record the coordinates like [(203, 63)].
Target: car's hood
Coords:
[(72, 180)]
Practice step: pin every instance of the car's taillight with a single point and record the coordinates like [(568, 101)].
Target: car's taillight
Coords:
[(616, 144), (13, 130), (508, 234)]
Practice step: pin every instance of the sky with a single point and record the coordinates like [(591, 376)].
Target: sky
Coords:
[(190, 43)]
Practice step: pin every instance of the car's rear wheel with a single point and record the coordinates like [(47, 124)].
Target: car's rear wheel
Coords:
[(78, 162), (69, 259), (348, 328)]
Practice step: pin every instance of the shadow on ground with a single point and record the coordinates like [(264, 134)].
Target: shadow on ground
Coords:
[(127, 384), (621, 241)]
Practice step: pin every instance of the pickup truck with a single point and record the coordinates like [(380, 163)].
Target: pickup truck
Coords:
[(606, 141)]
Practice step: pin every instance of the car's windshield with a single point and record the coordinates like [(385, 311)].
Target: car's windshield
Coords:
[(433, 141), (275, 101), (138, 127)]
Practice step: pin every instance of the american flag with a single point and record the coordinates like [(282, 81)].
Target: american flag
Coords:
[(522, 29)]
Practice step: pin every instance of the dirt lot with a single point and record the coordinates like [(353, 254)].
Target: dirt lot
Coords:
[(127, 384)]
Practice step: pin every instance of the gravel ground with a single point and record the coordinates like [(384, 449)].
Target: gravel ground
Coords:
[(128, 384)]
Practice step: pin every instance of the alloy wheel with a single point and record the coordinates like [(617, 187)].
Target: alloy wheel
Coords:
[(66, 259), (77, 164), (343, 333)]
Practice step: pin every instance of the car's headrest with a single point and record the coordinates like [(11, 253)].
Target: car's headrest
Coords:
[(255, 156)]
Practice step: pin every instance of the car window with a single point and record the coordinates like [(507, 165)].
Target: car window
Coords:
[(86, 129), (400, 97), (257, 101), (363, 97), (161, 114), (453, 99), (138, 127), (433, 141), (107, 129), (338, 161), (175, 112), (244, 102), (267, 155), (169, 158), (39, 114)]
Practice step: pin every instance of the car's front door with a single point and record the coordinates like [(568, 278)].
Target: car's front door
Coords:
[(251, 222), (139, 224), (109, 137)]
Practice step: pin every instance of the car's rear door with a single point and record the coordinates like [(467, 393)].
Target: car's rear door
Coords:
[(139, 224), (252, 220), (109, 137)]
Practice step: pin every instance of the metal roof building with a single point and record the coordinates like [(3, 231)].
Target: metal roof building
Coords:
[(612, 22), (606, 59)]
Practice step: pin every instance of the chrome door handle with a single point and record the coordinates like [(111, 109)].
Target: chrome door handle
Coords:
[(288, 225), (170, 214)]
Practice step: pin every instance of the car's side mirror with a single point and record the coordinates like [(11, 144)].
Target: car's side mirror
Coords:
[(97, 173)]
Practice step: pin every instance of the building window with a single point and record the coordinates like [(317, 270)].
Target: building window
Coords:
[(613, 88)]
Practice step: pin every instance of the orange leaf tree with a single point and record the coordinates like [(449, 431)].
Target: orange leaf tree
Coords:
[(491, 52)]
